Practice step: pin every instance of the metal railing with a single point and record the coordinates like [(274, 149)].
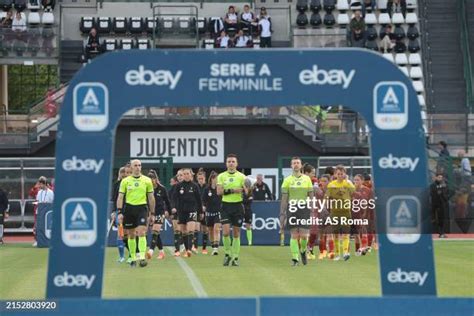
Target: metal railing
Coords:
[(468, 76), (426, 50)]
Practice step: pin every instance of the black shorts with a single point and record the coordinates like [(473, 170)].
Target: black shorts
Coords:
[(248, 215), (212, 218), (299, 219), (187, 216), (134, 216), (232, 213), (159, 219)]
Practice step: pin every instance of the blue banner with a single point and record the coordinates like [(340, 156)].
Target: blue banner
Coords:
[(44, 222)]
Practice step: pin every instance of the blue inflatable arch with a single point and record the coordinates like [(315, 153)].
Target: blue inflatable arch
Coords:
[(103, 91)]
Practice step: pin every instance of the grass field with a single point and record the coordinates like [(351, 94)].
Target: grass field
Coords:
[(263, 271)]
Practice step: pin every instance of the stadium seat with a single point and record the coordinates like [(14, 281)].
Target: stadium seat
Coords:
[(418, 86), (256, 44), (135, 25), (302, 20), (315, 20), (184, 24), (302, 6), (412, 32), (47, 19), (342, 5), (411, 18), (315, 6), (384, 19), (329, 5), (167, 24), (120, 25), (104, 25), (414, 59), (356, 4), (20, 5), (343, 19), (150, 25), (370, 19), (401, 59), (382, 4), (397, 18), (34, 41), (110, 44), (34, 5), (209, 44), (329, 19), (400, 47), (19, 47), (421, 100), (389, 57), (216, 25), (33, 19), (202, 25), (87, 23), (48, 33), (372, 45), (413, 46), (371, 32), (143, 44), (416, 73), (405, 71), (399, 32), (6, 5), (411, 4), (2, 14), (4, 47), (126, 44)]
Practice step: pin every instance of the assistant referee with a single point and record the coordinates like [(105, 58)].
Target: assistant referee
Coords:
[(137, 190)]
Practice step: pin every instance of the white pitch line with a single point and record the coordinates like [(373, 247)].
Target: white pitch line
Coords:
[(195, 283)]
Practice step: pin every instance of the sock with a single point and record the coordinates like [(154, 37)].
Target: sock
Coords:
[(195, 239), (312, 240), (370, 239), (177, 238), (304, 243), (345, 243), (364, 240), (185, 239), (159, 242), (282, 239), (249, 236), (336, 245), (205, 237), (142, 246), (125, 242), (235, 248), (331, 245), (132, 244), (226, 241), (322, 244), (120, 247), (137, 249), (154, 239), (357, 242), (190, 241), (294, 249)]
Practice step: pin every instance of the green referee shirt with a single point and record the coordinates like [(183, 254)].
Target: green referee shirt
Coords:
[(136, 189), (297, 188), (229, 181)]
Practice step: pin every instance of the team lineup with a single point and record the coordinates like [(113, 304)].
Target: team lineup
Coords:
[(218, 206)]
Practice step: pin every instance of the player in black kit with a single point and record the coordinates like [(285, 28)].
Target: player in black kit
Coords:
[(188, 205), (162, 208), (212, 207)]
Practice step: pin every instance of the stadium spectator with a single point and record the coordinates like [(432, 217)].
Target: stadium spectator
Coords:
[(368, 3), (439, 202), (44, 196), (357, 30), (397, 6), (465, 164), (261, 191), (444, 160), (265, 28), (388, 41), (93, 44), (19, 23), (7, 21), (34, 191), (241, 40), (248, 20), (223, 41), (231, 19), (3, 211)]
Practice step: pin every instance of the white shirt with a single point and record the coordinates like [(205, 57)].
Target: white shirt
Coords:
[(466, 166), (242, 41), (19, 25), (247, 16), (265, 25), (224, 42), (232, 17), (45, 196)]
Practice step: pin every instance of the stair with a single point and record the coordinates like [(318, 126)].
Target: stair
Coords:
[(69, 62), (448, 84)]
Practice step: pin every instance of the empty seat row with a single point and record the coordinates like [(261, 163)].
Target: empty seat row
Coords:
[(415, 72), (32, 46), (111, 44), (136, 25), (21, 5), (343, 5), (402, 59)]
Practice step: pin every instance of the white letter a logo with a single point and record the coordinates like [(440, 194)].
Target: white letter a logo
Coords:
[(79, 214), (90, 100)]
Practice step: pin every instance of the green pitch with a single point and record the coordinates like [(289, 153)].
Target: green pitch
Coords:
[(263, 271)]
